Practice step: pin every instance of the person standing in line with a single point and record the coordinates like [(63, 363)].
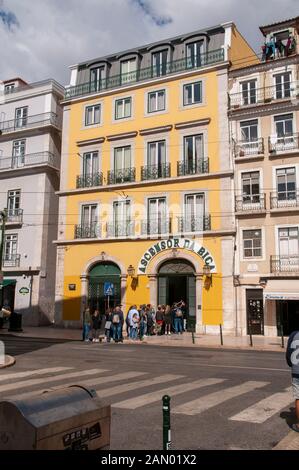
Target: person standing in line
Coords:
[(117, 322), (86, 324), (178, 316), (95, 320), (160, 319), (134, 326), (292, 357), (108, 325), (143, 321), (167, 320), (149, 322)]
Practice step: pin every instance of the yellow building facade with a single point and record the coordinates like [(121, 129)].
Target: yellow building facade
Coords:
[(146, 194)]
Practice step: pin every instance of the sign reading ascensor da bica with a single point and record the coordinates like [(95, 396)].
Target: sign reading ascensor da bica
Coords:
[(171, 243)]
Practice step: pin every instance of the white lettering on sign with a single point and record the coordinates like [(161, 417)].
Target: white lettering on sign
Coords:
[(183, 243)]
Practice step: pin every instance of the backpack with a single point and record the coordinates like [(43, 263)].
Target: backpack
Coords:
[(115, 318)]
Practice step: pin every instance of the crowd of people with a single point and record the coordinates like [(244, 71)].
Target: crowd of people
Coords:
[(139, 322)]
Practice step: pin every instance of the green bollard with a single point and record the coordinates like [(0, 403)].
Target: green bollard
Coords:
[(166, 422)]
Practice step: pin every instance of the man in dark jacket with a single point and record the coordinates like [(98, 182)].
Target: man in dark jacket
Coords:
[(292, 357)]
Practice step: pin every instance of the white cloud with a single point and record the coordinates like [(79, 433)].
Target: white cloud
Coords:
[(53, 34)]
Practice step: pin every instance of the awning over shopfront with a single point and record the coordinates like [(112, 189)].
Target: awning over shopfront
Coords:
[(277, 289), (8, 282)]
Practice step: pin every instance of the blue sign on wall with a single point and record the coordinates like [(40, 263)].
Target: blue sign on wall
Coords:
[(108, 288)]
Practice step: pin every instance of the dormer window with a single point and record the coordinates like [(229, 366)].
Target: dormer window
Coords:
[(128, 70), (194, 51), (159, 63), (9, 87), (96, 77)]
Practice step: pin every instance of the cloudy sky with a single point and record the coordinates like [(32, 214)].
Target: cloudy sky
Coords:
[(40, 38)]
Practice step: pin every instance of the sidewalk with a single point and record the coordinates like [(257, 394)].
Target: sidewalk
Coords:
[(260, 343)]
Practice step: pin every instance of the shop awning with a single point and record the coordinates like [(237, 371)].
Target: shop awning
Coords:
[(282, 289), (8, 282)]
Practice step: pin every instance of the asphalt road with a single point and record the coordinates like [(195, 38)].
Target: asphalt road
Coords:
[(220, 399)]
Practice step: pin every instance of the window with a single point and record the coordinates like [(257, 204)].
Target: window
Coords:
[(96, 77), (121, 218), (18, 153), (284, 125), (249, 92), (156, 216), (123, 108), (286, 183), (159, 63), (252, 243), (194, 52), (90, 163), (21, 115), (11, 247), (9, 88), (192, 93), (288, 242), (156, 101), (249, 130), (92, 115), (89, 216), (122, 158), (194, 212), (251, 187), (128, 70), (13, 202), (193, 153), (156, 153), (283, 85)]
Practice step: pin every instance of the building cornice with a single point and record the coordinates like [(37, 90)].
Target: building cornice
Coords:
[(98, 140)]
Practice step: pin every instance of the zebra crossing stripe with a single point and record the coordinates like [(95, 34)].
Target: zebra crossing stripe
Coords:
[(28, 373), (206, 402), (55, 378), (90, 382), (108, 392), (148, 398), (264, 409)]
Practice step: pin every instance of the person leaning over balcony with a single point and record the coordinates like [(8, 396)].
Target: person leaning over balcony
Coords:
[(292, 357)]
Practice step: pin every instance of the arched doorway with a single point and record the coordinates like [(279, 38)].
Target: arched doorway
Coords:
[(176, 281), (101, 273)]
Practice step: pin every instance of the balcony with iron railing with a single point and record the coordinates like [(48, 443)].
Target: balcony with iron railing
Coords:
[(284, 264), (284, 199), (143, 74), (11, 260), (194, 224), (14, 216), (30, 122), (196, 167), (92, 230), (156, 226), (30, 159), (251, 203), (283, 144), (243, 148), (152, 172), (125, 175), (121, 229), (257, 96), (89, 181)]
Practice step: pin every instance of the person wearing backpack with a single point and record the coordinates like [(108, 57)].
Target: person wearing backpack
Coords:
[(178, 320), (117, 323)]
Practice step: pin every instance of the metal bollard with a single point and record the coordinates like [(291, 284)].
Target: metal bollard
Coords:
[(166, 422), (193, 337), (221, 335), (250, 333)]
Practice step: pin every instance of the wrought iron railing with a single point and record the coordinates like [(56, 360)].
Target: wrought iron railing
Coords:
[(156, 226), (14, 216), (245, 149), (92, 230), (11, 260), (193, 167), (126, 175), (88, 181), (30, 122), (194, 224), (124, 228), (115, 81), (152, 172), (284, 264), (250, 203), (284, 143), (284, 199), (264, 95), (28, 159)]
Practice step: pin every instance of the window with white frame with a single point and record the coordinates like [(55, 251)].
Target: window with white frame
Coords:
[(18, 153), (128, 70), (192, 93), (121, 218), (156, 215), (284, 125), (249, 130), (250, 187), (96, 77), (90, 163), (89, 215), (194, 51), (9, 87), (194, 212), (252, 243), (92, 114), (156, 153), (123, 108), (249, 92), (122, 158), (193, 152), (13, 202), (286, 183), (21, 115), (159, 63), (283, 85), (156, 101), (10, 247), (288, 238)]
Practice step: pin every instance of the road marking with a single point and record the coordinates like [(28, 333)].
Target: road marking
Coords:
[(241, 367), (206, 402), (148, 398), (264, 409), (86, 383), (135, 385), (56, 378), (28, 373)]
